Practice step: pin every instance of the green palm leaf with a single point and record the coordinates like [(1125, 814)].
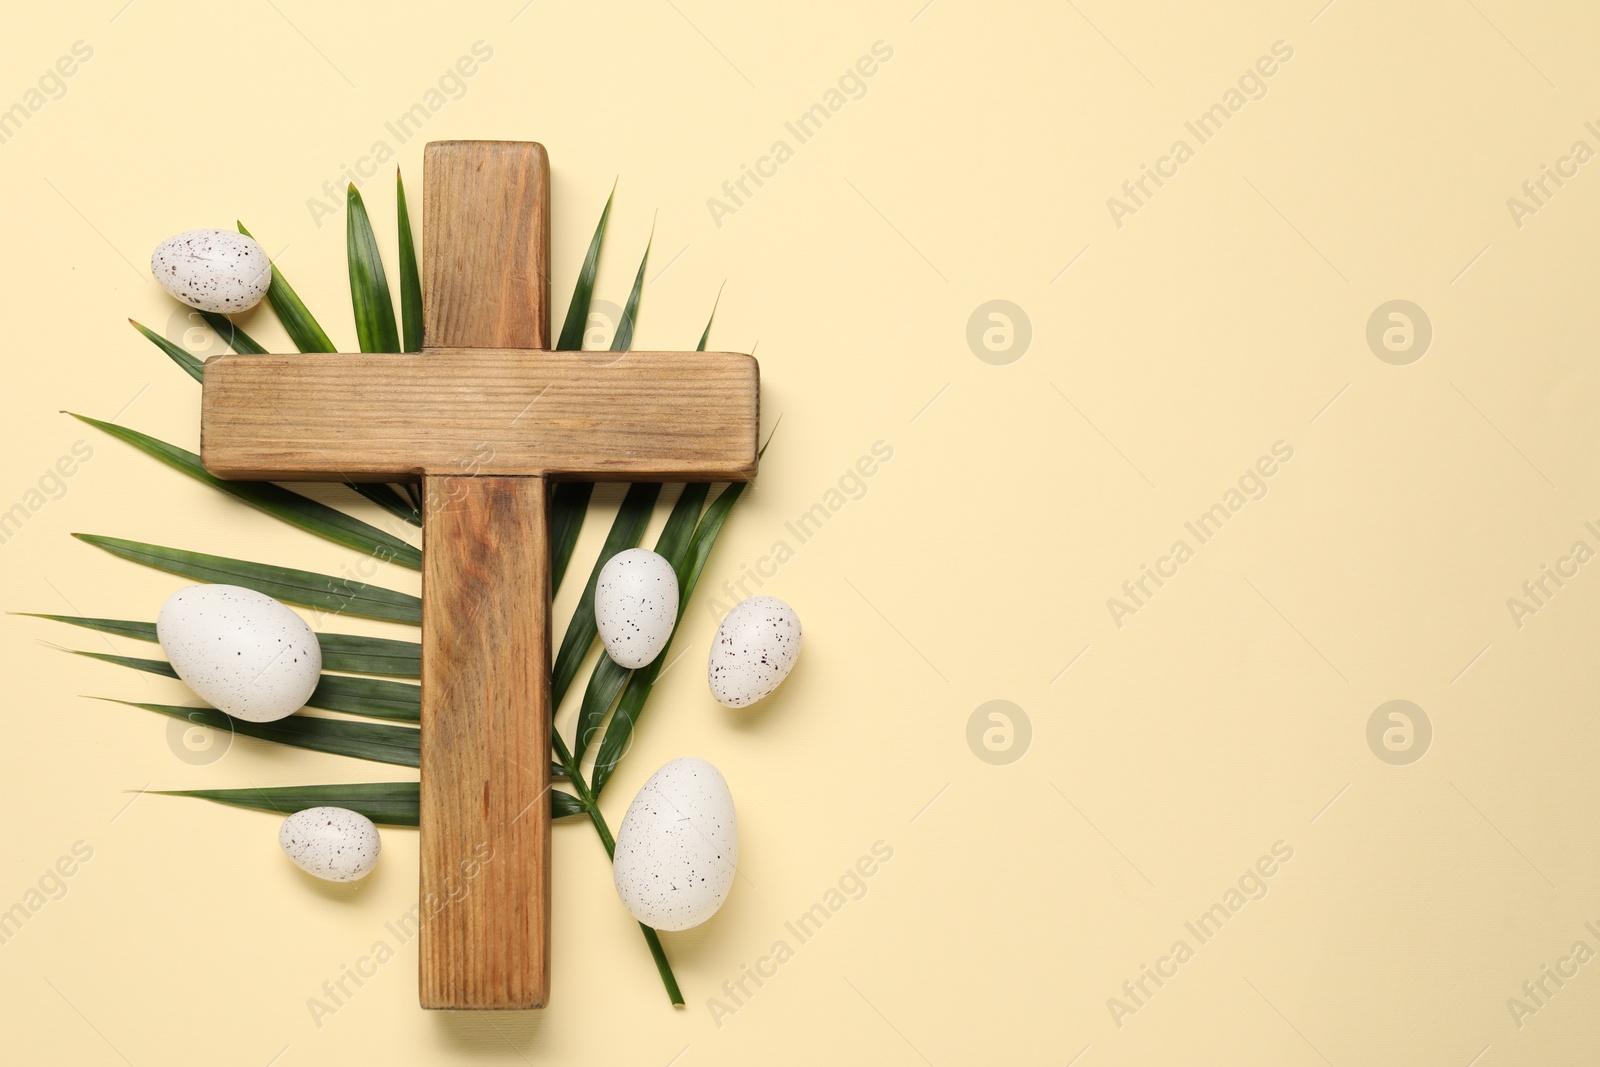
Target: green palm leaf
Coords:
[(577, 321), (369, 285), (386, 803), (389, 803), (622, 340), (399, 745), (568, 507), (678, 534), (389, 500), (607, 678), (373, 697), (297, 319), (280, 503), (306, 588), (232, 335), (410, 277), (376, 699), (571, 499), (149, 666), (192, 366), (139, 631), (381, 495), (371, 655), (340, 652), (632, 517), (705, 335), (631, 706), (634, 512)]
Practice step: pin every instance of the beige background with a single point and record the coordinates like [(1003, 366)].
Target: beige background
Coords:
[(1166, 756)]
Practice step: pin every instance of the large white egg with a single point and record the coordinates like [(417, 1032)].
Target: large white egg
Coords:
[(636, 606), (213, 270), (240, 650), (677, 847), (754, 650), (335, 844)]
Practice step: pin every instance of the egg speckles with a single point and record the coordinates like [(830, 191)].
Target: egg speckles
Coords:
[(635, 606), (678, 847), (240, 650), (213, 270), (754, 650), (335, 844)]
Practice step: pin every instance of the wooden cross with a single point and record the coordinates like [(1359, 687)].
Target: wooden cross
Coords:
[(485, 416)]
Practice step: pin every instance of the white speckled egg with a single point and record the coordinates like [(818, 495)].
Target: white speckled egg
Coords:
[(678, 847), (335, 844), (754, 650), (213, 270), (240, 650), (636, 606)]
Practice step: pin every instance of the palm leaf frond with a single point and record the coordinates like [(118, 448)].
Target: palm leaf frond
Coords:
[(340, 596), (309, 515), (398, 745), (387, 803), (410, 276), (369, 284), (297, 320)]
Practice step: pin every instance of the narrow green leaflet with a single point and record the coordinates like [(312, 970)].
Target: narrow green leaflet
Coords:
[(571, 499), (631, 706), (388, 803), (139, 631), (195, 368), (280, 503), (235, 337), (307, 588), (410, 277), (577, 321), (632, 517), (678, 533), (389, 500), (149, 666), (567, 511), (607, 679), (372, 697), (605, 682), (297, 319), (340, 652), (371, 655), (381, 495), (706, 333), (369, 285), (399, 745), (622, 340)]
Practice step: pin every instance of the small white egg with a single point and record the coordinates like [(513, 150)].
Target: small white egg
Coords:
[(753, 652), (335, 844), (240, 650), (636, 606), (678, 847), (213, 270)]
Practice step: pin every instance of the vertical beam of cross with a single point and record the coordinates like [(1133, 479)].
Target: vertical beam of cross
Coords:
[(485, 835)]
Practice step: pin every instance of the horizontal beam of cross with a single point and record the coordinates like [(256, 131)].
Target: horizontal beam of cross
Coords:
[(669, 416)]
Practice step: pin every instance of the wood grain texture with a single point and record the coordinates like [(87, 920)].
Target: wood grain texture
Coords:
[(485, 245), (649, 416), (485, 842)]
